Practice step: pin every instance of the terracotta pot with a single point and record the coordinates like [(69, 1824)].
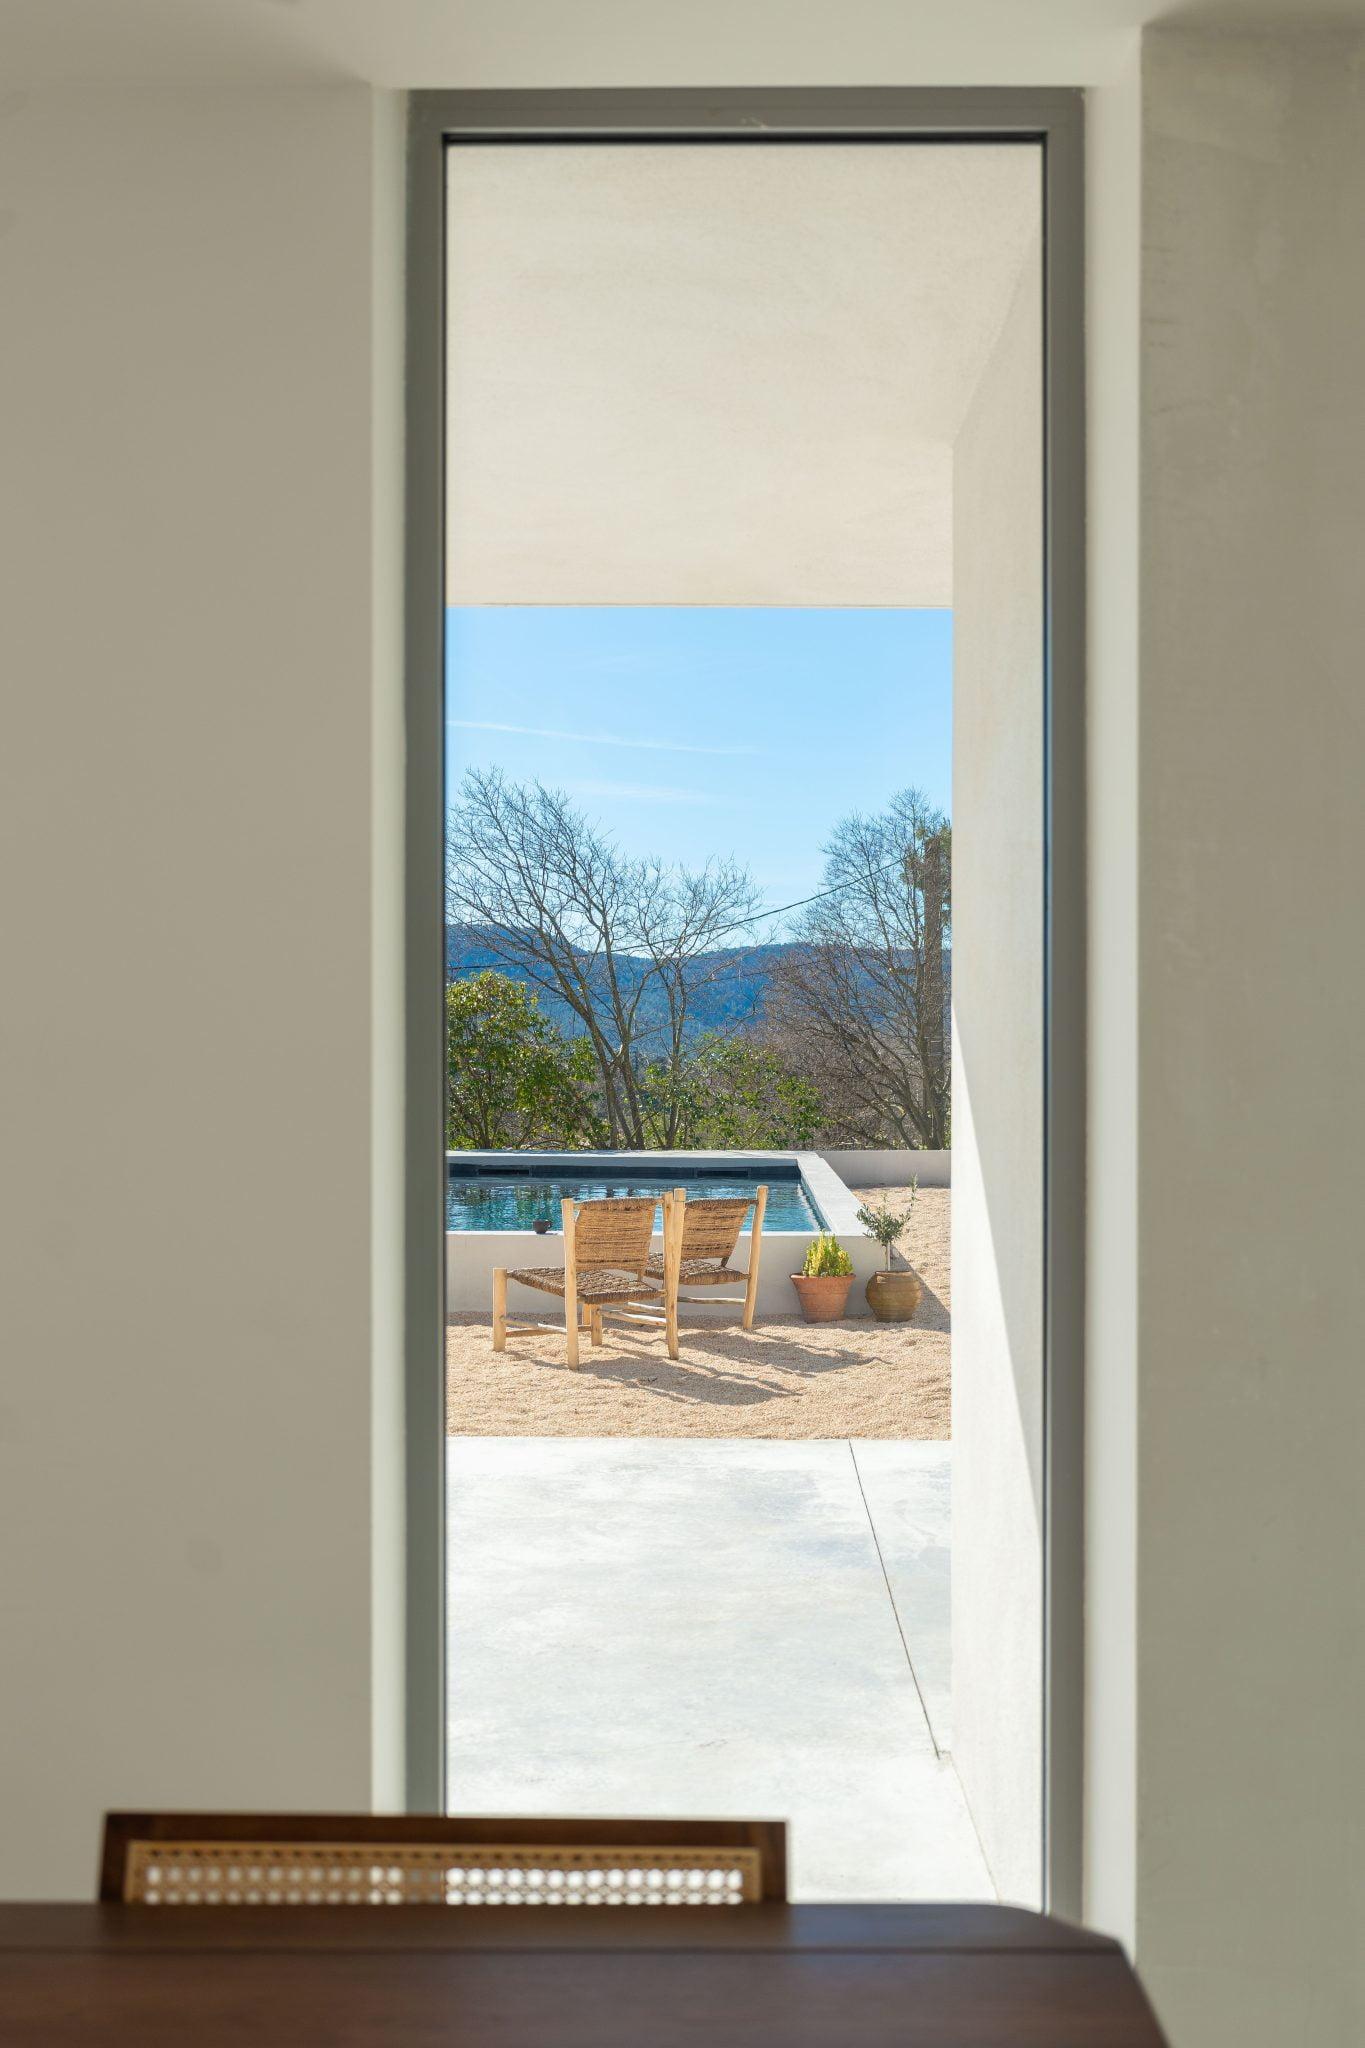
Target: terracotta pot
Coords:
[(823, 1296), (894, 1297)]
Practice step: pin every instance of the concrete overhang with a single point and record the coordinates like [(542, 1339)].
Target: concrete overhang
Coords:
[(709, 374)]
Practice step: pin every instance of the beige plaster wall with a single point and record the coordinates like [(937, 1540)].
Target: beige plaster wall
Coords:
[(1251, 1418), (190, 639)]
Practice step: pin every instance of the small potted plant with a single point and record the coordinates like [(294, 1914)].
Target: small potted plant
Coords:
[(824, 1280), (892, 1296)]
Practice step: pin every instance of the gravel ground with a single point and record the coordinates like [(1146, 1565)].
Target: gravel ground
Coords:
[(785, 1378)]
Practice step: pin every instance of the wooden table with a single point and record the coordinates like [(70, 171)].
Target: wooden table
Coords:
[(481, 1977)]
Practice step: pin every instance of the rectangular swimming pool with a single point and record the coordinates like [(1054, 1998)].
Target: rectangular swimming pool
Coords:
[(486, 1199), (495, 1198)]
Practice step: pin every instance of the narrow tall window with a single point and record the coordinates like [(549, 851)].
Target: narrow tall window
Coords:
[(745, 758)]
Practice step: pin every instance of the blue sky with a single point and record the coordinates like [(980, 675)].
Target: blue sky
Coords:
[(688, 731)]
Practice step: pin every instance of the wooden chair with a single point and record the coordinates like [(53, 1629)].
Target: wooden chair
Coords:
[(310, 1859), (606, 1257), (710, 1232)]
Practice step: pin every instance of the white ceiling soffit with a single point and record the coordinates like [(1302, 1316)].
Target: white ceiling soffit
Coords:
[(720, 375), (555, 43)]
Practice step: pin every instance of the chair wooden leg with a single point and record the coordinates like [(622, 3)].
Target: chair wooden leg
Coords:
[(750, 1301), (755, 1256), (499, 1308), (673, 1229), (568, 1215)]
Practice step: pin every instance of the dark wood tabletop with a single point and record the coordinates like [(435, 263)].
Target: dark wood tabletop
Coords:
[(491, 1977)]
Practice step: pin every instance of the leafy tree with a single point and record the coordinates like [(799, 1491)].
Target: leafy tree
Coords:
[(736, 1094), (852, 1042), (512, 1079)]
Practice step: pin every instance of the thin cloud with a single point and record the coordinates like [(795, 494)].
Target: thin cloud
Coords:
[(592, 739), (644, 792)]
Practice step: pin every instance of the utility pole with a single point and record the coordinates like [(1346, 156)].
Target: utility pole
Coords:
[(933, 1020)]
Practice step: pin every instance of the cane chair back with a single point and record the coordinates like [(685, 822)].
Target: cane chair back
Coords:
[(708, 1232), (711, 1226), (213, 1859), (613, 1232)]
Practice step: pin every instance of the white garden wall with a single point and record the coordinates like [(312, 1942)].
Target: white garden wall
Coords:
[(892, 1169), (997, 1217)]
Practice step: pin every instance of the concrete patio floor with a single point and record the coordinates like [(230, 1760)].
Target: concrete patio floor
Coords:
[(697, 1627)]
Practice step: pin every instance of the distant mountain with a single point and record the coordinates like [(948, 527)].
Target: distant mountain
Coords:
[(733, 982)]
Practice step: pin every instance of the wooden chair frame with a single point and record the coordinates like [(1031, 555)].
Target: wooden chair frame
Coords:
[(653, 1304), (721, 1277), (128, 1836), (659, 1311)]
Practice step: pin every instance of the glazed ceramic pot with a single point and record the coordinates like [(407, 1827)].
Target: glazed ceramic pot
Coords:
[(823, 1296), (894, 1297)]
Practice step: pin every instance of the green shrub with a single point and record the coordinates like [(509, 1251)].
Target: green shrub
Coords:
[(826, 1256), (730, 1094)]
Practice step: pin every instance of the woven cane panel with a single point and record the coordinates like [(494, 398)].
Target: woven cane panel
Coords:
[(388, 1874), (711, 1227), (614, 1232)]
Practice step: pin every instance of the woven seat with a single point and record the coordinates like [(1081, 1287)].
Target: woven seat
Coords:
[(700, 1272), (601, 1286), (606, 1252)]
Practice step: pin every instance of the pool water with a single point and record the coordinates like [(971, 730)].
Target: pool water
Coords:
[(517, 1202)]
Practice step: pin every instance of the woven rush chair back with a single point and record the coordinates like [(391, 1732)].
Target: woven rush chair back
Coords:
[(215, 1859), (613, 1232), (712, 1225)]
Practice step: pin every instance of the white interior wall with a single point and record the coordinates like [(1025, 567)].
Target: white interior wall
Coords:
[(186, 1315), (1251, 1417), (997, 1004)]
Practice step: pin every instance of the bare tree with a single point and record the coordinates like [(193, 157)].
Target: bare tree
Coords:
[(623, 943), (682, 915), (861, 998)]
